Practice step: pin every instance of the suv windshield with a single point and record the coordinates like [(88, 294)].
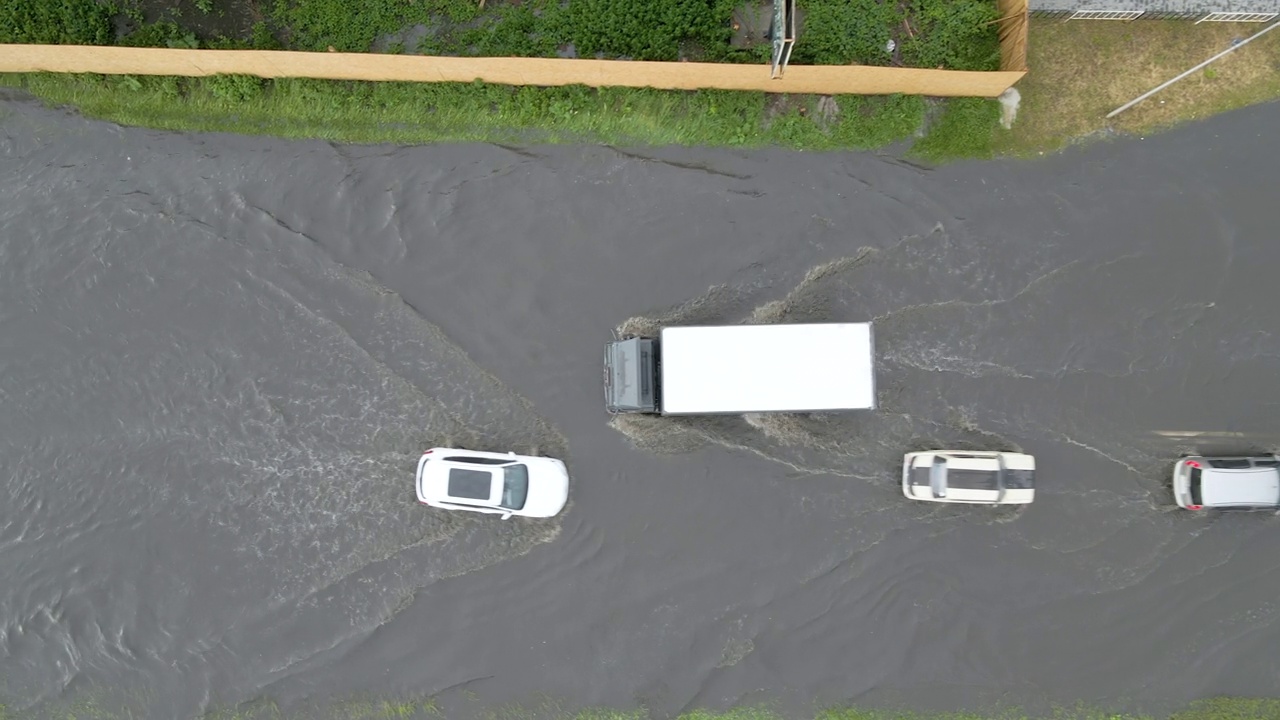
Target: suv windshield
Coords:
[(515, 486)]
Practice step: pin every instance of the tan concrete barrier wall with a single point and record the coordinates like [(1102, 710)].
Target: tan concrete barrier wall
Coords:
[(817, 79)]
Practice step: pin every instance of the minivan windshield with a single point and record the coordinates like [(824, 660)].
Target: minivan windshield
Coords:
[(515, 486)]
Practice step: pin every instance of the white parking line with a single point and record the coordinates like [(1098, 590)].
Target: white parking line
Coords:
[(1209, 434)]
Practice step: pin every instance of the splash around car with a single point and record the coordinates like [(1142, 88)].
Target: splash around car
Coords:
[(972, 477), (503, 484)]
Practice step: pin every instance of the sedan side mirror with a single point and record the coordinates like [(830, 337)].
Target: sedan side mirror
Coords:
[(506, 515)]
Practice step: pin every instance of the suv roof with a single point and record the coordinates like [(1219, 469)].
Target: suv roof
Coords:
[(1257, 486), (1238, 481), (488, 482)]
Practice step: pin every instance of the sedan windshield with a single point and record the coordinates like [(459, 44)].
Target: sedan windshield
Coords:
[(515, 486)]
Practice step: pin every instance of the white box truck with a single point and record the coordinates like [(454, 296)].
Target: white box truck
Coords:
[(703, 370)]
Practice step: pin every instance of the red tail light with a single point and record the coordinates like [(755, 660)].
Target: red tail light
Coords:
[(1194, 507), (1193, 464), (431, 451)]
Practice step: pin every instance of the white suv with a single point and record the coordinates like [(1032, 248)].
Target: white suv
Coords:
[(503, 484), (1227, 483)]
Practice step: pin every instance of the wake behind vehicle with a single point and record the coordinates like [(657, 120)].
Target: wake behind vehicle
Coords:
[(973, 477), (503, 484), (708, 370), (1227, 483)]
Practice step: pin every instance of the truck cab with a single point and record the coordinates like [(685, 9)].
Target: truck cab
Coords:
[(631, 376)]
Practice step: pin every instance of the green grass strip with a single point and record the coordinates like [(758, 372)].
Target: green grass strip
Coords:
[(966, 128), (417, 113)]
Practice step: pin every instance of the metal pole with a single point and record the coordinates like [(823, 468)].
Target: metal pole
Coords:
[(1166, 84)]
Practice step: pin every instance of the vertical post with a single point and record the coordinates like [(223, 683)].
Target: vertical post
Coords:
[(783, 34)]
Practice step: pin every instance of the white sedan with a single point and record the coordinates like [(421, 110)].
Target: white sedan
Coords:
[(975, 477), (503, 484)]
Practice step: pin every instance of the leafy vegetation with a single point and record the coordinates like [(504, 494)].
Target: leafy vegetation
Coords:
[(515, 30), (345, 26), (233, 89), (647, 29), (164, 33), (952, 34), (848, 31), (637, 29), (56, 22), (956, 34)]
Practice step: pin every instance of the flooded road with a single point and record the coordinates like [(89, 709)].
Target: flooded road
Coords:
[(221, 357)]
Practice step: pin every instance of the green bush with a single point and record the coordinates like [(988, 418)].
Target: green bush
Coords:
[(165, 33), (261, 37), (56, 22), (949, 33), (342, 25), (515, 31), (168, 86), (647, 29), (840, 32), (235, 88), (954, 34), (349, 26)]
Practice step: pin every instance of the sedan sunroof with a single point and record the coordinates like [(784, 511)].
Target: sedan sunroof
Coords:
[(470, 484)]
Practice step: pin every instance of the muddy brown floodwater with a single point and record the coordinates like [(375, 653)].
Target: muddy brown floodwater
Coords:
[(220, 356)]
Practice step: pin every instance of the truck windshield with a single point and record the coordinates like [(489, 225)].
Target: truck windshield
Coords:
[(515, 486)]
